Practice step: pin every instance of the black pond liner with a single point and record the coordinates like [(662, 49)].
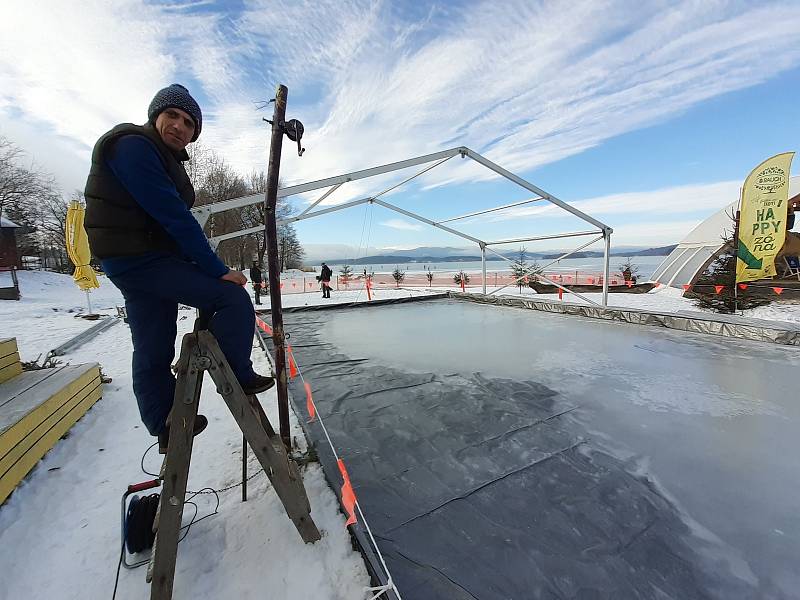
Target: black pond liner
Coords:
[(524, 479)]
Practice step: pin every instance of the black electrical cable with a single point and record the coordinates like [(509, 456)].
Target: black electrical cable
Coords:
[(206, 490), (119, 566), (142, 512), (145, 471)]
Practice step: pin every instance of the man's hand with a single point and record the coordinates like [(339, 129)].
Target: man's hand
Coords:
[(236, 277)]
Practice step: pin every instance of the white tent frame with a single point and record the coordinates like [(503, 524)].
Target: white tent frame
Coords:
[(601, 231)]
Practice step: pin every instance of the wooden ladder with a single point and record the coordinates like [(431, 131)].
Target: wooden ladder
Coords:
[(199, 353)]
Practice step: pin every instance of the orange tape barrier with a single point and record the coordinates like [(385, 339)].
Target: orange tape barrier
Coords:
[(312, 410), (263, 326), (441, 278), (292, 364), (718, 289), (348, 495)]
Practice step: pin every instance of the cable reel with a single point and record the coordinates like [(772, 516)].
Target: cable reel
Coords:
[(138, 517)]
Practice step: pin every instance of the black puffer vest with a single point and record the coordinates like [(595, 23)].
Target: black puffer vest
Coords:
[(115, 223)]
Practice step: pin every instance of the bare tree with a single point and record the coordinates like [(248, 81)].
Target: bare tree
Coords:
[(199, 164), (17, 183), (217, 181), (289, 250), (31, 198), (52, 230)]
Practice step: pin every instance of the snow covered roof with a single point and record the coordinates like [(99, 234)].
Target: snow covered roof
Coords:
[(6, 223), (703, 243)]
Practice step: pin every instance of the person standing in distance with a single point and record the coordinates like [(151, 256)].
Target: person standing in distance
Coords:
[(138, 197), (255, 277), (325, 275)]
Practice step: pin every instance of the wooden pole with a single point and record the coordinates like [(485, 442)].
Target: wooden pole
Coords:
[(271, 234)]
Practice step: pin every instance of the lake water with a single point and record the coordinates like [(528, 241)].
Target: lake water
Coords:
[(647, 265)]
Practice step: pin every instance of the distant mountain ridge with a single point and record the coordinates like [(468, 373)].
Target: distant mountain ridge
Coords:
[(432, 255)]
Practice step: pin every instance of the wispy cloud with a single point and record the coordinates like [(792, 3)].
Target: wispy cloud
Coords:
[(378, 81), (401, 224), (700, 198), (653, 233), (531, 85)]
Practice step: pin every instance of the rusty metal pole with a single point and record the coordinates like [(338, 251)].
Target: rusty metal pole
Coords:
[(271, 233)]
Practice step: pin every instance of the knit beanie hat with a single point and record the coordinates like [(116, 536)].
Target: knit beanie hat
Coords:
[(176, 96)]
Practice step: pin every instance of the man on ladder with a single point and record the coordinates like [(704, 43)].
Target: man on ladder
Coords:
[(138, 197)]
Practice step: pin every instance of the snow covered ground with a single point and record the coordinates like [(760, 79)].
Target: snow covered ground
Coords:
[(60, 530), (61, 526)]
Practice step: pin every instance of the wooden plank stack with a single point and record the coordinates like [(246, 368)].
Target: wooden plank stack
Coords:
[(36, 409)]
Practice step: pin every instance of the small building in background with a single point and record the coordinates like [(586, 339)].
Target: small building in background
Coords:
[(9, 255), (9, 260)]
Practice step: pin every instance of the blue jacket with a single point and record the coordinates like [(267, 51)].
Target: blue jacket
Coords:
[(136, 163)]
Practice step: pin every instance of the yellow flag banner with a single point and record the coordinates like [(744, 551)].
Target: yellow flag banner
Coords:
[(762, 218), (78, 248)]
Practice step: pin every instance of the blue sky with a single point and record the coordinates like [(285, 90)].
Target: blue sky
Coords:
[(646, 115)]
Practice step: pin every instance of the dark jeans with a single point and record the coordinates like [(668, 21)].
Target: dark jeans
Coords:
[(152, 293)]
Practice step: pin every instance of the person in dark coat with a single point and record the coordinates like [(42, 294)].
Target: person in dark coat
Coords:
[(325, 278), (138, 197), (255, 277)]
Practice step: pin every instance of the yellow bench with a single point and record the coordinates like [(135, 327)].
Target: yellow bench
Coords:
[(10, 365), (36, 409)]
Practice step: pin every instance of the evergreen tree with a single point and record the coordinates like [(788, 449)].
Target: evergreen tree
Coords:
[(519, 268), (429, 276), (398, 276), (722, 272), (629, 270), (461, 276), (346, 274)]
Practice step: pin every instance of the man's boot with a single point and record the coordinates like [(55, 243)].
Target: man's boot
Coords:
[(200, 423), (258, 384)]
